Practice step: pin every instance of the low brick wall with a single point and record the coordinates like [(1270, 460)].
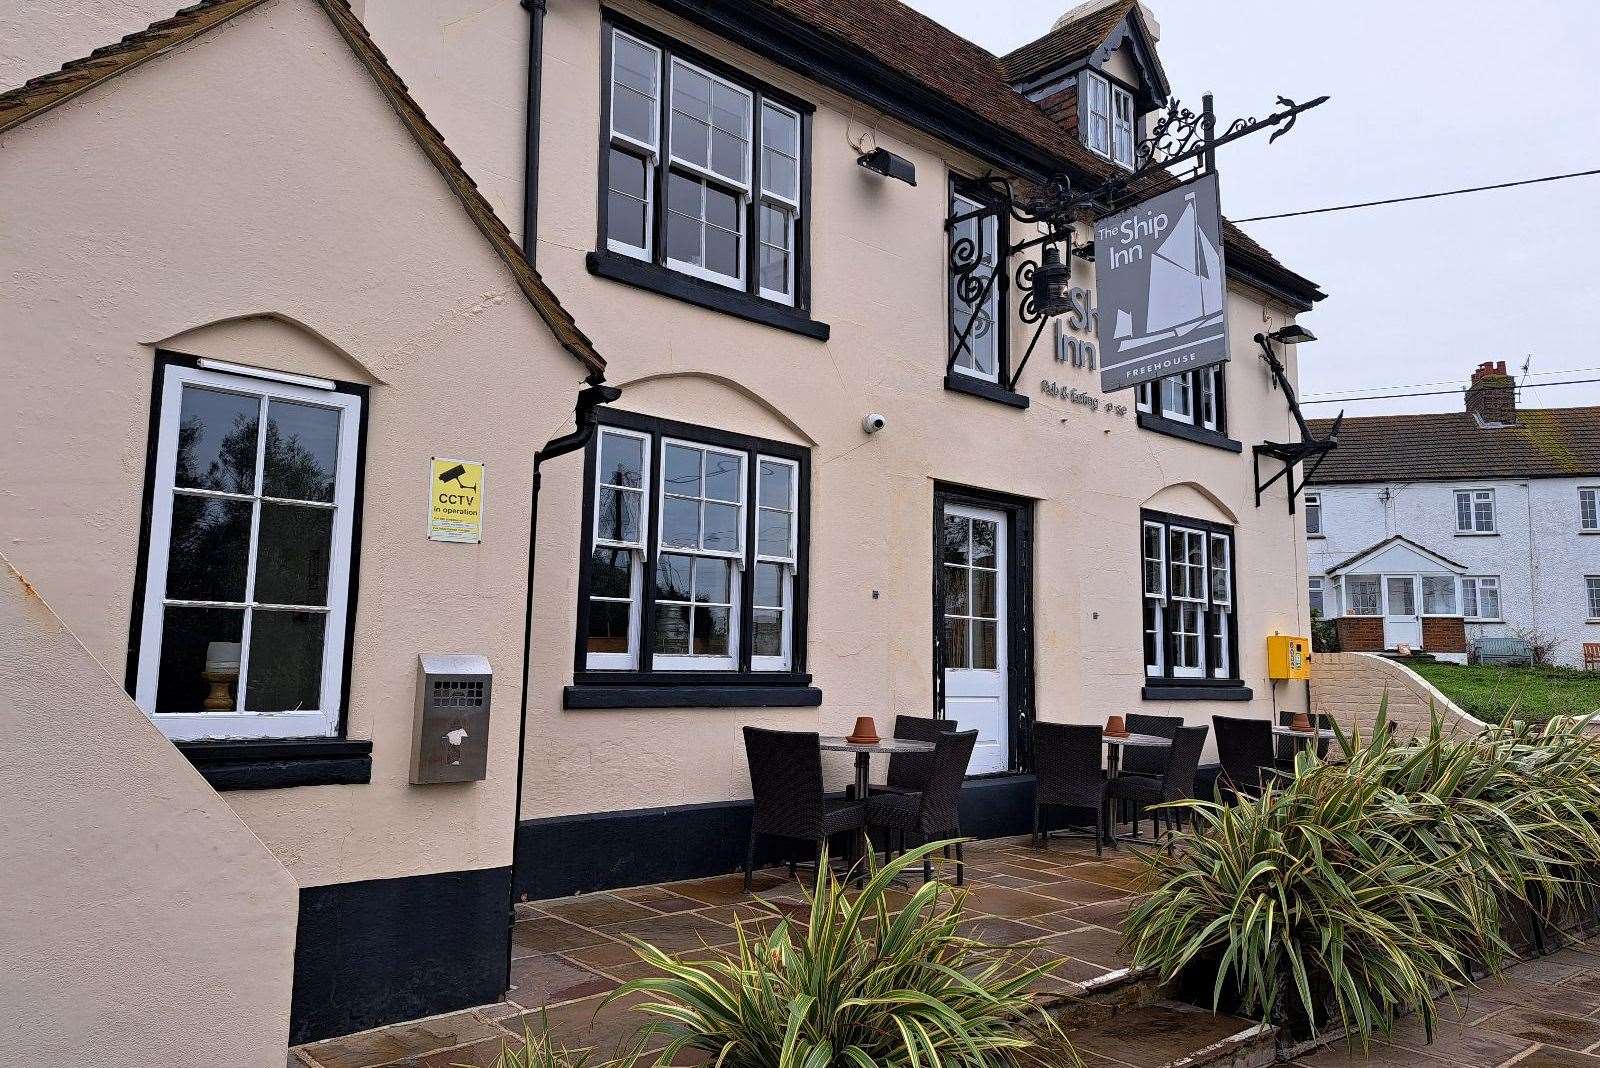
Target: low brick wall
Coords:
[(1444, 634), (1350, 686), (1360, 633)]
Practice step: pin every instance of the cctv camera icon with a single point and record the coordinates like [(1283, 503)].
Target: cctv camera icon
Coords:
[(454, 474)]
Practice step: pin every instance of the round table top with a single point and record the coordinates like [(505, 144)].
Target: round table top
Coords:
[(1287, 731), (882, 745), (1137, 739)]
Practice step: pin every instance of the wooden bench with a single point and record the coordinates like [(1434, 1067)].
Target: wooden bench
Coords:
[(1591, 655), (1504, 651)]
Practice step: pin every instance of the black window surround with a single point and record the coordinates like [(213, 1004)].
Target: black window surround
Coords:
[(740, 687), (266, 763), (1170, 687), (651, 272), (1152, 415), (955, 380)]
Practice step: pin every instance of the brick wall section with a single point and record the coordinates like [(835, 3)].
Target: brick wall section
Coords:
[(1350, 686), (1444, 634), (1361, 634)]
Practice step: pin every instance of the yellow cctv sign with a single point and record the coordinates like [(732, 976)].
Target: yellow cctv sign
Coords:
[(455, 510)]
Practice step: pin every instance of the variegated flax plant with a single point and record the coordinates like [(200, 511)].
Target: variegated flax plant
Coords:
[(861, 985), (1357, 889)]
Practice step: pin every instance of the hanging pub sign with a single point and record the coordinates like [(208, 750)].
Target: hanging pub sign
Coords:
[(1159, 284)]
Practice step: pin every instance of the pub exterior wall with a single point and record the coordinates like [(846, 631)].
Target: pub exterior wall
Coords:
[(878, 279)]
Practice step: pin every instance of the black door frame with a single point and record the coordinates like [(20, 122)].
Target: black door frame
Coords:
[(1019, 608)]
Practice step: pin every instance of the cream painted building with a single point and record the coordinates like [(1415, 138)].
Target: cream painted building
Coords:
[(811, 501)]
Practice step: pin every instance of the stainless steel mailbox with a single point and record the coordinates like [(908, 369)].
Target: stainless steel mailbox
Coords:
[(450, 738)]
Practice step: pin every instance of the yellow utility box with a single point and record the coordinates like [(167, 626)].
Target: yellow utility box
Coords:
[(1288, 657)]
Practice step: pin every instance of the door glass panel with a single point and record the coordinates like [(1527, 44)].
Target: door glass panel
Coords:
[(217, 435), (956, 630), (1402, 597), (983, 542), (984, 646), (956, 532), (983, 593)]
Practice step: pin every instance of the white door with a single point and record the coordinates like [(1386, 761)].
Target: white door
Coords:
[(973, 569), (1401, 623)]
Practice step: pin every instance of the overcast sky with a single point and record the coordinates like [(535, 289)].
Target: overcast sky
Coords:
[(1426, 95)]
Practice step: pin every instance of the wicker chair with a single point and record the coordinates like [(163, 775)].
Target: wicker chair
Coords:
[(935, 810), (1286, 748), (786, 781), (1175, 783), (1143, 759), (908, 772), (1245, 748), (1067, 774)]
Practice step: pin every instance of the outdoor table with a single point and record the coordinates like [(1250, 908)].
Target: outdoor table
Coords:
[(864, 753), (1301, 738), (1114, 746)]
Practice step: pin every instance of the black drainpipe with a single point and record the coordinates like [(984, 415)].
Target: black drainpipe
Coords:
[(590, 397), (530, 179)]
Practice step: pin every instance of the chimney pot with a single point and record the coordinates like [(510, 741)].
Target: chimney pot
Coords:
[(1492, 395)]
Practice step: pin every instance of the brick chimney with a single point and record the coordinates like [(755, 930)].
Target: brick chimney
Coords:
[(1492, 396)]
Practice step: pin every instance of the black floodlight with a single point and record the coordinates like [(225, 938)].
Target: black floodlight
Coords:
[(882, 161), (1293, 334), (1084, 251)]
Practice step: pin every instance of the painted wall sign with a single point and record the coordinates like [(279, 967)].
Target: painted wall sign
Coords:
[(1160, 286), (455, 501), (1078, 396)]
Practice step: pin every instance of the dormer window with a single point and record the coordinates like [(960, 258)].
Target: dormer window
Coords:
[(1108, 119)]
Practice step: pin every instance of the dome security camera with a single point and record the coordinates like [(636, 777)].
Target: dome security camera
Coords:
[(873, 423)]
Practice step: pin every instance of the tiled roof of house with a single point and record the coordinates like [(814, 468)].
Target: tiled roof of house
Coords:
[(47, 91), (1393, 539), (916, 47), (1450, 446), (1066, 43)]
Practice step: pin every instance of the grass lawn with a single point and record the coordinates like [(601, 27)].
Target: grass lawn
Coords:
[(1489, 692)]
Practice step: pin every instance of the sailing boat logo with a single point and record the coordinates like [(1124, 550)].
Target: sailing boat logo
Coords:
[(1161, 287)]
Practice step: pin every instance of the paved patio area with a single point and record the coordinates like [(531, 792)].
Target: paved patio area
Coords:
[(568, 954), (1544, 1013)]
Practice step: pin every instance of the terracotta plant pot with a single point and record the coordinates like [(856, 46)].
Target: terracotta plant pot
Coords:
[(1116, 726), (1300, 722), (866, 732)]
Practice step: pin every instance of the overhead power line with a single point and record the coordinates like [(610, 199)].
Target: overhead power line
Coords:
[(1353, 392), (1436, 392), (1423, 196)]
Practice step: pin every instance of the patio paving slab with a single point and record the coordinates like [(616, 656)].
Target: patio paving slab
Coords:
[(1154, 1035), (549, 979)]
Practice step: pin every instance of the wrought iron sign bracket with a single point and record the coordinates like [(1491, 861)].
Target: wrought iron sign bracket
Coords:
[(1178, 136), (1310, 449)]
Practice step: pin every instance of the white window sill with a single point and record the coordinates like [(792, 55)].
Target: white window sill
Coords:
[(1477, 533)]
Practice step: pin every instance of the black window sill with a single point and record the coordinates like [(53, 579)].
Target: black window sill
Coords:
[(272, 765), (640, 691), (1188, 432), (658, 279), (1196, 691), (977, 387)]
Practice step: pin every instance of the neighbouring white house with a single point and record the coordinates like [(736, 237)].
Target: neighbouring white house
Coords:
[(1440, 530)]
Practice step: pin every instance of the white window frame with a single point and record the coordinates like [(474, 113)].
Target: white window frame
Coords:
[(1198, 598), (1473, 498), (1155, 599), (1351, 607), (1317, 596), (1221, 606), (1178, 386), (1123, 123), (1592, 586), (988, 227), (1454, 586), (1142, 394), (790, 207), (703, 174), (1589, 508), (1479, 583), (788, 563), (633, 146), (1208, 398), (692, 661), (1097, 107), (1313, 504), (322, 721), (637, 575)]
